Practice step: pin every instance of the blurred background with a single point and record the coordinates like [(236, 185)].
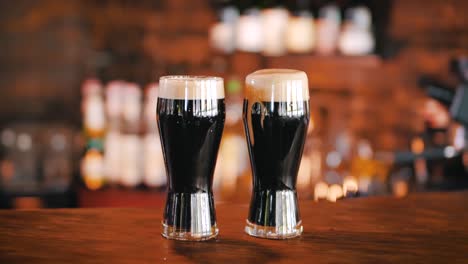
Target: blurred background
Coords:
[(388, 85)]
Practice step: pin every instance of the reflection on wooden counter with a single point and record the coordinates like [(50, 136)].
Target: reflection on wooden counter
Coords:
[(419, 228)]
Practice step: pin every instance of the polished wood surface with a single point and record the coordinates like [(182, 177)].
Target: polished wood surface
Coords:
[(421, 228), (119, 197)]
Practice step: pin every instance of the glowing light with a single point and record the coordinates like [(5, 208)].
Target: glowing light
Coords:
[(334, 192), (93, 184), (92, 169), (350, 185), (320, 191), (449, 152), (417, 145), (400, 188)]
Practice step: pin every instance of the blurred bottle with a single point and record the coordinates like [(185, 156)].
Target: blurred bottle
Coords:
[(25, 162), (57, 160), (249, 31), (223, 33), (154, 171), (232, 162), (113, 137), (333, 177), (131, 142), (114, 104), (328, 29), (370, 173), (94, 120), (356, 37), (275, 21), (300, 32), (7, 166)]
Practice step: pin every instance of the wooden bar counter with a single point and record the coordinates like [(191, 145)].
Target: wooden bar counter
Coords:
[(421, 228)]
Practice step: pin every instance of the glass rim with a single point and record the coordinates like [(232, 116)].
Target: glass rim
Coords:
[(190, 77)]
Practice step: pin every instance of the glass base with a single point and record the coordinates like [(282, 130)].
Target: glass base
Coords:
[(273, 232), (189, 216), (171, 232), (274, 214)]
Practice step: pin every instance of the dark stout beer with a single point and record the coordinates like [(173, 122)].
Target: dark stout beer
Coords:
[(191, 114), (276, 116)]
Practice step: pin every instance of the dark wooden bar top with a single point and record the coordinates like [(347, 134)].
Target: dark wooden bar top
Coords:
[(421, 228)]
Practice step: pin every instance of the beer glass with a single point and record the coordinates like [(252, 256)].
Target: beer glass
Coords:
[(276, 116), (190, 114)]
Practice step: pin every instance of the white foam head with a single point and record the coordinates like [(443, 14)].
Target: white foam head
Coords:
[(277, 85), (191, 87)]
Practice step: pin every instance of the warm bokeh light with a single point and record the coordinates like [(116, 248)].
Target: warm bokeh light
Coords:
[(92, 169), (417, 145), (320, 191), (400, 188), (334, 193), (350, 185)]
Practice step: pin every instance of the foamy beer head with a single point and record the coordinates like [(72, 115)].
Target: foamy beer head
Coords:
[(277, 85), (191, 87)]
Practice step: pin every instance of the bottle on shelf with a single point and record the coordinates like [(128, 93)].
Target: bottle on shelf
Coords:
[(26, 161), (154, 174), (249, 30), (7, 165), (275, 22), (333, 177), (222, 33), (232, 164), (94, 120), (131, 143), (300, 32), (370, 173), (57, 160), (113, 137), (328, 29), (356, 37)]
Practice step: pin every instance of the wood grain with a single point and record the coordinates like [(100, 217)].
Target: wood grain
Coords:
[(422, 228)]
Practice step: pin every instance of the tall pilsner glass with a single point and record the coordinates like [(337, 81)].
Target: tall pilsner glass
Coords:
[(190, 114), (276, 116)]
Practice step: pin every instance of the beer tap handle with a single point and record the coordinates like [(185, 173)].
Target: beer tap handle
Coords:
[(434, 89)]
